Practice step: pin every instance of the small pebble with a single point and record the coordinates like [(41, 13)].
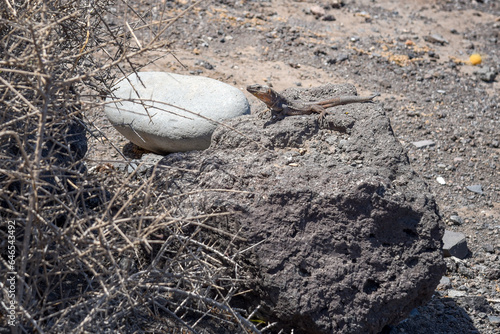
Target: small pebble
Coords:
[(342, 57), (456, 219), (489, 248), (486, 74), (423, 143), (444, 283), (494, 319), (476, 188), (131, 167), (492, 273), (455, 293), (329, 17), (435, 38), (317, 11)]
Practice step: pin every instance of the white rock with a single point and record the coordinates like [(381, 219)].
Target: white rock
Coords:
[(423, 143), (455, 293), (167, 125), (440, 180)]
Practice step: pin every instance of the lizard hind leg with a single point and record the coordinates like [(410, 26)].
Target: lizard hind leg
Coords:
[(321, 114)]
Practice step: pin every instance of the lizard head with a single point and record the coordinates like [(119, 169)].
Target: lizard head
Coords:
[(263, 93)]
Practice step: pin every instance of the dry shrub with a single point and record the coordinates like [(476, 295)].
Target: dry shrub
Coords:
[(95, 251)]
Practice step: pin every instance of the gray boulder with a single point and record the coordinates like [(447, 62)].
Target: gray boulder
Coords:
[(165, 112), (347, 237)]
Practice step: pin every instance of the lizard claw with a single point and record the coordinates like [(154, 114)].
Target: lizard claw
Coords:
[(322, 122)]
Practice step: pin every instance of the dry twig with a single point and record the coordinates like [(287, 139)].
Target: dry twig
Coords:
[(94, 253)]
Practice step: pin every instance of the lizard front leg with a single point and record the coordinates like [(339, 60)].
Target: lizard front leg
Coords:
[(279, 115)]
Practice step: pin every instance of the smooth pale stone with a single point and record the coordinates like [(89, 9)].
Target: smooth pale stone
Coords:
[(167, 125)]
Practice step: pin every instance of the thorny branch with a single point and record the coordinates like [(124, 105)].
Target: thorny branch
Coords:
[(95, 251)]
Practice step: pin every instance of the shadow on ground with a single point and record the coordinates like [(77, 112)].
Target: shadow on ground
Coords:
[(442, 315)]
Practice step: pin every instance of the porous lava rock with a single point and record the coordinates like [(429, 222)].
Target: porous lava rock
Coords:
[(347, 238)]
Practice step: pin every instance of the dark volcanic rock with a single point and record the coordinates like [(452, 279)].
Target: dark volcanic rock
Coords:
[(348, 236)]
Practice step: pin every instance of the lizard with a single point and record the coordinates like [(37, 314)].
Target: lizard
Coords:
[(281, 106)]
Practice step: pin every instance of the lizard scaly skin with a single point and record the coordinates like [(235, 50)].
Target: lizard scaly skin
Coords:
[(282, 106)]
